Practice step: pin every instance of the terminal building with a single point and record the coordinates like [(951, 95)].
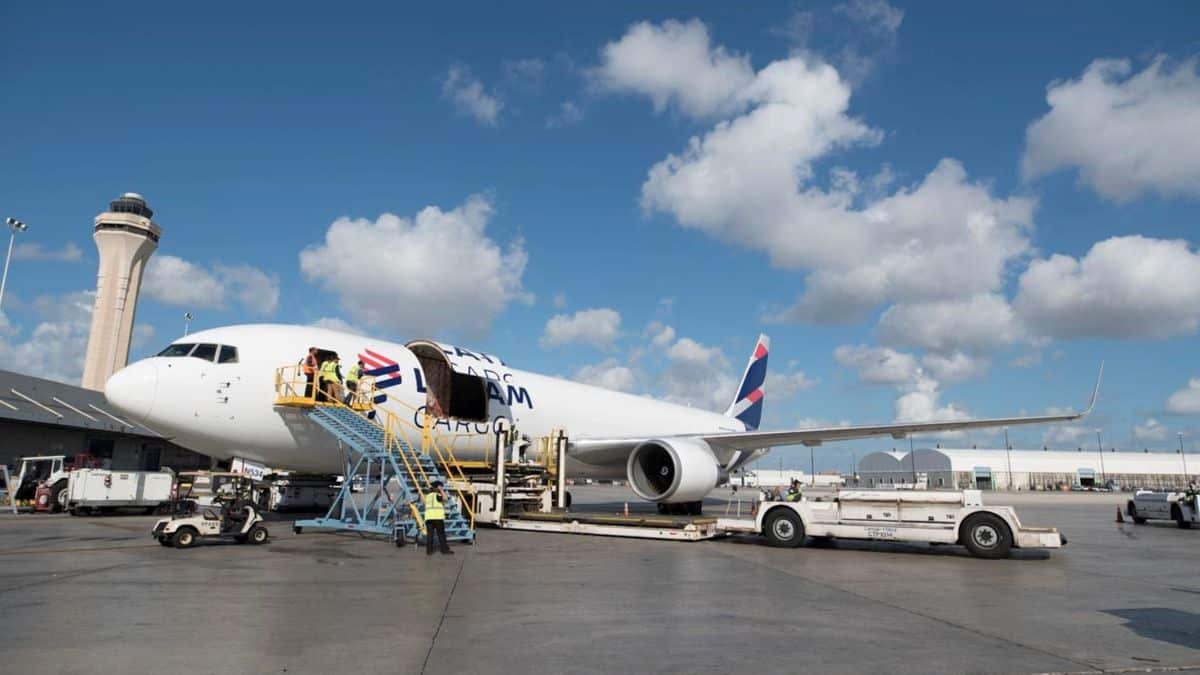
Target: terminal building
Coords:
[(998, 469), (43, 417)]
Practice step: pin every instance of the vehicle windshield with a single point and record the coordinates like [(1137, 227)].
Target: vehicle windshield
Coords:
[(178, 349)]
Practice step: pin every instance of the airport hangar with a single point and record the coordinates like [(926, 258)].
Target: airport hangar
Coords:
[(966, 468), (43, 417)]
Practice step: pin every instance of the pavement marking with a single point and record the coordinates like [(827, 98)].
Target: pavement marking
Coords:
[(445, 609)]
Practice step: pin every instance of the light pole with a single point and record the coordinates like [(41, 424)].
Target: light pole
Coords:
[(812, 465), (1182, 456), (1101, 449), (913, 456), (187, 322), (1008, 454), (14, 226)]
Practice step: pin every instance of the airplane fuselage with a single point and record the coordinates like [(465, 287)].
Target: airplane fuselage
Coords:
[(228, 409)]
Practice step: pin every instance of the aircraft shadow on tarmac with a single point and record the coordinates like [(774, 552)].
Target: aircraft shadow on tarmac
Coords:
[(945, 550), (1163, 624)]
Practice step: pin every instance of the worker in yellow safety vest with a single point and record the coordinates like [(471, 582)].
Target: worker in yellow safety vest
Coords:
[(794, 493), (331, 379), (352, 376), (435, 518)]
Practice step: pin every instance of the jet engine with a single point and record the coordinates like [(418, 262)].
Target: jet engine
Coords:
[(673, 470)]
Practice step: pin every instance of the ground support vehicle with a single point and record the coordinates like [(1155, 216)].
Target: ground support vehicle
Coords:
[(936, 517), (237, 520), (92, 490), (1181, 507)]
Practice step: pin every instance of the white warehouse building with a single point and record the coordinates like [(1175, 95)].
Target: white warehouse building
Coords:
[(1027, 469)]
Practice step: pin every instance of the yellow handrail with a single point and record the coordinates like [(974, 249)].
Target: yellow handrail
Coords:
[(291, 388)]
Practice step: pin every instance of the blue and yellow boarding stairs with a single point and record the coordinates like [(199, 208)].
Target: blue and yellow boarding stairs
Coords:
[(387, 475)]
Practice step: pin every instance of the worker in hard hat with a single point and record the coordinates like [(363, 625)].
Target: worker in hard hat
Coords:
[(435, 518)]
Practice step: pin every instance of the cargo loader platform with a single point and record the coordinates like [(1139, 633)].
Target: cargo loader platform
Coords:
[(603, 524)]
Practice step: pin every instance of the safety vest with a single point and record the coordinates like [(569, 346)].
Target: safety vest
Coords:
[(329, 370), (793, 495), (355, 371), (433, 508)]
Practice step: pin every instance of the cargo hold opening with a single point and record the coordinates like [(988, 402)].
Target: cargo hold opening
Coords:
[(449, 394)]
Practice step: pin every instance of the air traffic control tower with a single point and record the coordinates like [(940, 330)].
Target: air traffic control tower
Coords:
[(126, 237)]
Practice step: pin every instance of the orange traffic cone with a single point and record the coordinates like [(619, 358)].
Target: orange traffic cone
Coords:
[(1120, 518)]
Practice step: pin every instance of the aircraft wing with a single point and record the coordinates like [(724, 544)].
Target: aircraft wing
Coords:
[(616, 450)]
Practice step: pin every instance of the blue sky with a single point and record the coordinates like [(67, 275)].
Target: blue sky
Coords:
[(534, 131)]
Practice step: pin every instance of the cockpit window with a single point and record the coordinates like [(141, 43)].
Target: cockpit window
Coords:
[(205, 352), (228, 354), (181, 349)]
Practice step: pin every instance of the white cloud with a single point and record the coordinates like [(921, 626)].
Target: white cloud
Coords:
[(438, 271), (674, 63), (696, 374), (1150, 431), (35, 251), (818, 423), (919, 402), (955, 367), (1066, 435), (877, 365), (172, 280), (336, 323), (978, 324), (786, 385), (523, 73), (560, 300), (1125, 287), (1127, 134), (1186, 401), (569, 114), (596, 327), (609, 374), (250, 287), (55, 347), (469, 96), (660, 334), (750, 180)]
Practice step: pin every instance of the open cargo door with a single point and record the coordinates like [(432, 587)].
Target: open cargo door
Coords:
[(450, 393)]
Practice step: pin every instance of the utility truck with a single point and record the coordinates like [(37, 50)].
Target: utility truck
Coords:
[(936, 517), (1181, 507)]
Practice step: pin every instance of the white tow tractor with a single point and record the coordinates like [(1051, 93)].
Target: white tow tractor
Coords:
[(233, 516), (950, 517), (1181, 507)]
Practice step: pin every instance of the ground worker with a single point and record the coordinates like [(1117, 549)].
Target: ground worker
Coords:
[(331, 379), (435, 518), (309, 367), (352, 376), (794, 493)]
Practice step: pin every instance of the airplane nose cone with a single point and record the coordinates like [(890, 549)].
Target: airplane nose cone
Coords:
[(132, 389)]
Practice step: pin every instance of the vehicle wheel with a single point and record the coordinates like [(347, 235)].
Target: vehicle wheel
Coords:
[(783, 528), (1131, 511), (257, 535), (986, 536), (1177, 514), (185, 537), (567, 500), (58, 498)]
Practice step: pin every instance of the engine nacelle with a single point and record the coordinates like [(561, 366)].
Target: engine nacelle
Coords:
[(673, 470)]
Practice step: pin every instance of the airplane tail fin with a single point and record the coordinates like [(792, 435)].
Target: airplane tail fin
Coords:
[(747, 405)]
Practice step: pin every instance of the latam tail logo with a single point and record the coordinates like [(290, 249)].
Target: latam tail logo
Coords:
[(385, 371), (748, 404)]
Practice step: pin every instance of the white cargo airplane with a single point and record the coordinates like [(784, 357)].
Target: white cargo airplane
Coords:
[(213, 392)]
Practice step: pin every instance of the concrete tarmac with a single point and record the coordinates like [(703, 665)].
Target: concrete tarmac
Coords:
[(85, 595)]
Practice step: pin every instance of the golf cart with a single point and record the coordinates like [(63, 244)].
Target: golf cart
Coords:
[(232, 515)]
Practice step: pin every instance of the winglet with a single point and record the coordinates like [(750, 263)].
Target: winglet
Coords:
[(1095, 392)]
